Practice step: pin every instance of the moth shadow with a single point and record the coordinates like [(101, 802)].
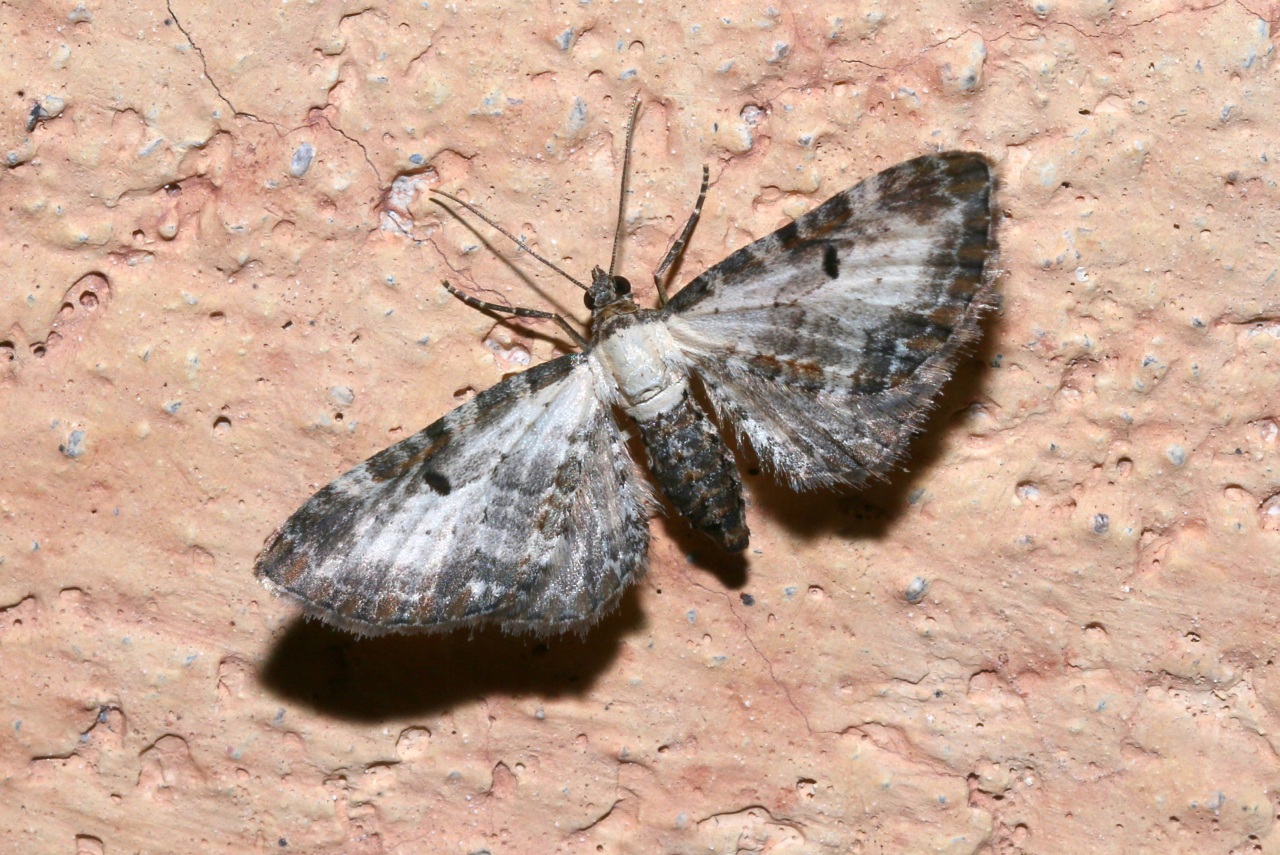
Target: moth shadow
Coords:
[(388, 677), (729, 568), (869, 513)]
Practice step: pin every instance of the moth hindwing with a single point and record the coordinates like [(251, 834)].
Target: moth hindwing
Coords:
[(822, 345)]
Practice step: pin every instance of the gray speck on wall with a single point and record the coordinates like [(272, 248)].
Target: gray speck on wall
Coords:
[(74, 446), (301, 162)]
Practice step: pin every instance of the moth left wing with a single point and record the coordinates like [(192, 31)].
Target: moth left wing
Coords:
[(520, 507), (825, 342)]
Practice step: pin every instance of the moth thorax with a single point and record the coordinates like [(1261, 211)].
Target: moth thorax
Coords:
[(641, 357)]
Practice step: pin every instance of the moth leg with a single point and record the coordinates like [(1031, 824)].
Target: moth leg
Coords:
[(517, 312), (678, 247)]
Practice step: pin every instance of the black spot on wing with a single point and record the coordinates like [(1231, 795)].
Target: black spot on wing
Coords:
[(437, 481), (830, 261), (828, 221)]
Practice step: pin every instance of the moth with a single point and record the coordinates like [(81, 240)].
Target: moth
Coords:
[(821, 345)]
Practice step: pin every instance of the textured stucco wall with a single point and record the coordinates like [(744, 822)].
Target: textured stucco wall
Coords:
[(193, 338)]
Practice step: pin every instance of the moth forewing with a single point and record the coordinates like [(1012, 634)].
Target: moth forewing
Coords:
[(825, 343)]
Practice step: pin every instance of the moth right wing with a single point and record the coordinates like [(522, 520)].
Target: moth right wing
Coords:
[(521, 507), (825, 342)]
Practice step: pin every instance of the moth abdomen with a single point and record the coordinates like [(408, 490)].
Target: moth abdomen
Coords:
[(695, 471)]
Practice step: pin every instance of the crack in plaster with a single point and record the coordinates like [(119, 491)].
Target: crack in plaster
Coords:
[(204, 64), (769, 665), (346, 136)]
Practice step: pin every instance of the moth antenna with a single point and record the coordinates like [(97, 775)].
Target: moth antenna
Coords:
[(626, 174), (517, 241)]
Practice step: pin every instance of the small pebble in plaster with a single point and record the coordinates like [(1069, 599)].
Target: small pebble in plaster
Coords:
[(1176, 454), (301, 161), (1101, 523), (577, 116), (747, 599), (915, 590), (74, 446), (404, 189), (507, 353), (963, 72), (48, 107), (342, 395)]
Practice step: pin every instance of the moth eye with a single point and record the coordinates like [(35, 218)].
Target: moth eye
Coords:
[(589, 300), (621, 285)]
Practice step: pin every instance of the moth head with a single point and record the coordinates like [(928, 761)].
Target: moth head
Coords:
[(606, 290)]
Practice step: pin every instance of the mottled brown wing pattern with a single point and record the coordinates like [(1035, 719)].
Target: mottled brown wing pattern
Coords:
[(825, 342), (520, 508)]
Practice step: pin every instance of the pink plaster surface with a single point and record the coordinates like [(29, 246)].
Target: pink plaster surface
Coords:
[(193, 339)]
